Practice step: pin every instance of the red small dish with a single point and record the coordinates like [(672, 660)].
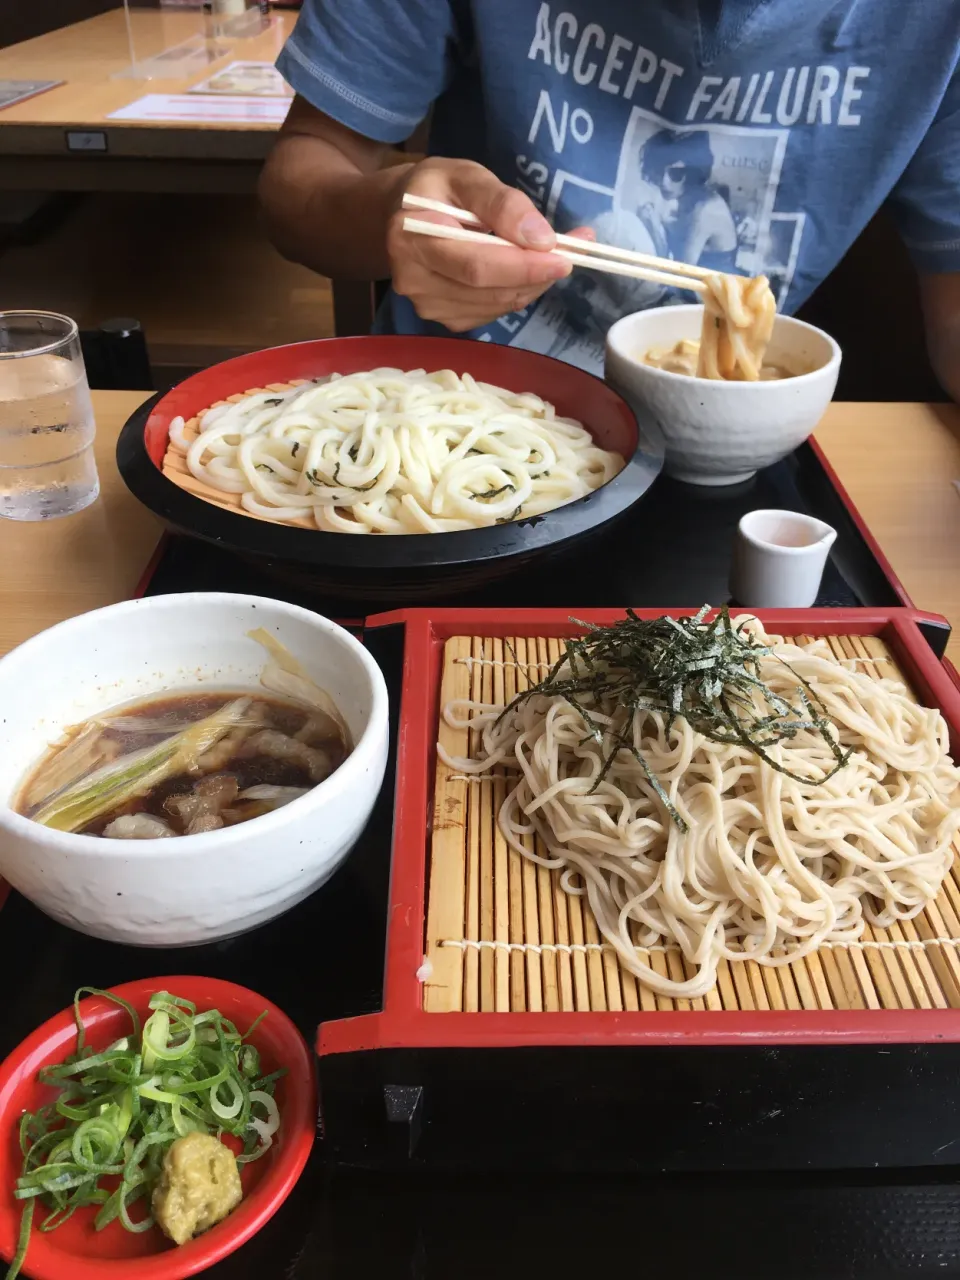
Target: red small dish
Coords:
[(76, 1251)]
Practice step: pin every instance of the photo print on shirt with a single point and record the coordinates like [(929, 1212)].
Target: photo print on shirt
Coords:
[(700, 193)]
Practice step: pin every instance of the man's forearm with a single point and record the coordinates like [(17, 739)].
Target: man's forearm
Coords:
[(323, 211)]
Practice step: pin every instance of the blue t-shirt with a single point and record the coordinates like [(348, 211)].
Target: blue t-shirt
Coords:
[(751, 135)]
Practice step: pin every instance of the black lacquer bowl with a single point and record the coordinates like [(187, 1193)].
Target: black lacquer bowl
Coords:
[(404, 567)]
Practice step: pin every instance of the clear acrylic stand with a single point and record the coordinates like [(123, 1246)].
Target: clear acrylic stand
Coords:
[(189, 57)]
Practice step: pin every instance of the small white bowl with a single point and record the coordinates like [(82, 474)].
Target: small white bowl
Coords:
[(198, 888), (722, 432)]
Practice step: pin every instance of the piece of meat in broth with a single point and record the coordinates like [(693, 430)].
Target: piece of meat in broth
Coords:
[(199, 810), (270, 742), (137, 826)]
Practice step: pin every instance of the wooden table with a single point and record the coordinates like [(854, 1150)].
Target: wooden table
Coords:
[(52, 570), (897, 461), (39, 137)]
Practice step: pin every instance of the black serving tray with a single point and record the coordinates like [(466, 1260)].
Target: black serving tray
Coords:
[(324, 960), (672, 549)]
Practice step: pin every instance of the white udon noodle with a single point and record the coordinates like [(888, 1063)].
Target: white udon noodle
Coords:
[(395, 452), (769, 869), (738, 317)]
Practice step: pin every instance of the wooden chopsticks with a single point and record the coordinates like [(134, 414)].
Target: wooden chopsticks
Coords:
[(582, 253)]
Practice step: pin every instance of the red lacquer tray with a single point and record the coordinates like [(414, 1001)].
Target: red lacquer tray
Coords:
[(403, 1023)]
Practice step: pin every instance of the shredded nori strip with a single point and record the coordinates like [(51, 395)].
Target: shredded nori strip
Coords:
[(274, 400), (296, 448), (512, 516), (495, 493), (706, 673), (317, 480)]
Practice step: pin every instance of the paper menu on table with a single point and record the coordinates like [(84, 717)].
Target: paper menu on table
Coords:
[(260, 79), (182, 108), (14, 91)]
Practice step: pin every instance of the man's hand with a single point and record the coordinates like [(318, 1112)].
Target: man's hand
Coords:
[(940, 295), (466, 285), (331, 205)]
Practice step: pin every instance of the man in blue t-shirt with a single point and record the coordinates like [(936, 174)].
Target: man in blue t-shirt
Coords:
[(758, 136)]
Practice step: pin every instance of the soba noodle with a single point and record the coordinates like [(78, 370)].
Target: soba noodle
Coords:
[(769, 868), (738, 316), (394, 452)]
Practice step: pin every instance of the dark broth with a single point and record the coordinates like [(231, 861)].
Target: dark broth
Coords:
[(286, 746)]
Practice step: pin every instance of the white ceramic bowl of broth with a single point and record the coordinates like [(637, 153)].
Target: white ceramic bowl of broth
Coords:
[(722, 432), (195, 888)]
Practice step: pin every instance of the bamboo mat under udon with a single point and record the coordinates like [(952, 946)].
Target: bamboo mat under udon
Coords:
[(175, 462), (503, 936)]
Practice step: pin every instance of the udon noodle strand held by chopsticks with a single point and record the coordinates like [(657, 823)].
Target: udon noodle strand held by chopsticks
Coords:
[(738, 316), (392, 452), (677, 837)]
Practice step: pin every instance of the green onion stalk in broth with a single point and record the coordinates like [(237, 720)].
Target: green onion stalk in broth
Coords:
[(137, 773)]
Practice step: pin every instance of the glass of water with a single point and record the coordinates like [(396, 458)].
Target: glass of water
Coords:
[(47, 467)]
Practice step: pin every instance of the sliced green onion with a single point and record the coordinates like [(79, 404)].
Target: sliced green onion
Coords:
[(120, 1109), (164, 1000), (23, 1240), (269, 1105), (183, 1123), (153, 1094), (96, 1143), (227, 1110)]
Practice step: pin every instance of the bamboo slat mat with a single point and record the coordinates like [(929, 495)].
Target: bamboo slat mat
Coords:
[(175, 463), (503, 936)]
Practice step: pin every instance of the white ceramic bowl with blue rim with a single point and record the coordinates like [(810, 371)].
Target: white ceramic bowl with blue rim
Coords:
[(192, 889)]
